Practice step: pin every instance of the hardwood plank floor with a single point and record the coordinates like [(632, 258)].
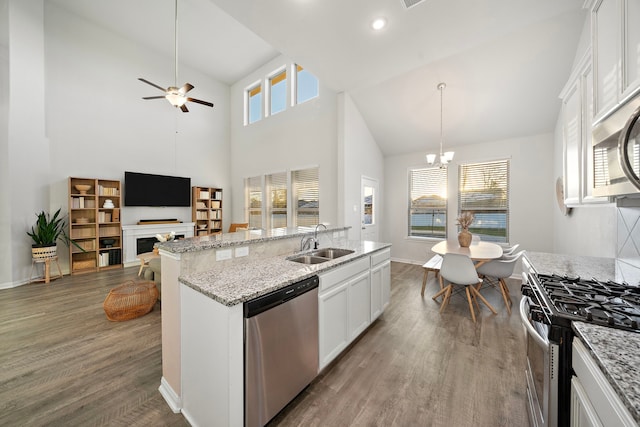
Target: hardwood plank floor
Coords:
[(64, 364), (417, 367)]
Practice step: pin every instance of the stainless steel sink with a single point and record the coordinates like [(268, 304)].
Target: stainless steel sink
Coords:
[(320, 255), (331, 253), (308, 259)]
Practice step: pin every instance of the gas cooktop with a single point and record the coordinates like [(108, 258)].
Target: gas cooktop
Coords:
[(604, 303)]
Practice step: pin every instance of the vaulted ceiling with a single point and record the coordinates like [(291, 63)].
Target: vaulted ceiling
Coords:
[(504, 61)]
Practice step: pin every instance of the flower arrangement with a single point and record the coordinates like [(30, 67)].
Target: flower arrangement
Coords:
[(465, 220)]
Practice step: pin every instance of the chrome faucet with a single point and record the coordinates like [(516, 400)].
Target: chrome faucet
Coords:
[(305, 243), (315, 235)]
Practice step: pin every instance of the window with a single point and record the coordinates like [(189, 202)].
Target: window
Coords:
[(276, 188), (428, 202), (254, 103), (253, 189), (291, 199), (306, 85), (305, 187), (484, 191), (278, 92)]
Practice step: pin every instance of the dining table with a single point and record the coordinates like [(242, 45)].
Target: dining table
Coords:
[(479, 251)]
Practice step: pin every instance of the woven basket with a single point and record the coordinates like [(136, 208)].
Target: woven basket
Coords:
[(130, 300), (44, 252)]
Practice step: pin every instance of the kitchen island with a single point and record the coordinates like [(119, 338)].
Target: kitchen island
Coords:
[(205, 282)]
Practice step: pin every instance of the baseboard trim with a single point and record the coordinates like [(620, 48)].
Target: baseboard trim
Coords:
[(170, 396), (9, 285)]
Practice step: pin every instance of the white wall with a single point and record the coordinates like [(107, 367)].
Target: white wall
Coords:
[(531, 194), (76, 110), (5, 177), (299, 137), (359, 156)]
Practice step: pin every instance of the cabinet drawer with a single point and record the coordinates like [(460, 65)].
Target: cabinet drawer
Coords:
[(380, 256), (342, 273)]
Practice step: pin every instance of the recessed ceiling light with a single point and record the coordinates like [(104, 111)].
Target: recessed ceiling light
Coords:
[(379, 23)]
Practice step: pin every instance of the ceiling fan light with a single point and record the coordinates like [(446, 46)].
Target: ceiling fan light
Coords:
[(449, 155), (176, 99), (431, 158)]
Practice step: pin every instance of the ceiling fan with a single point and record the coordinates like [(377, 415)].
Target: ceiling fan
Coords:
[(176, 96)]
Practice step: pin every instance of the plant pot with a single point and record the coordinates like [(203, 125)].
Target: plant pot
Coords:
[(44, 252), (464, 238)]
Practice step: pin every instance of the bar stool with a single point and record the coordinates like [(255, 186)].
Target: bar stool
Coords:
[(47, 269)]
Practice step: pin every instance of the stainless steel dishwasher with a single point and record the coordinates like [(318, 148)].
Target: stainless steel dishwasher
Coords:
[(280, 349)]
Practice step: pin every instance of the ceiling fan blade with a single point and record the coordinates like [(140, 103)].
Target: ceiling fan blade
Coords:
[(208, 104), (152, 84), (186, 88), (153, 97), (184, 108)]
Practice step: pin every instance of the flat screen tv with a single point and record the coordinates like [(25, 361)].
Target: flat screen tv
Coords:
[(143, 189)]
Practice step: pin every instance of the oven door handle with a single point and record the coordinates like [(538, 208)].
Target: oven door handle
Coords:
[(524, 317)]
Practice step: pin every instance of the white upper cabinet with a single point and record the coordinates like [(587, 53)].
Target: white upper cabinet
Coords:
[(616, 53), (577, 117)]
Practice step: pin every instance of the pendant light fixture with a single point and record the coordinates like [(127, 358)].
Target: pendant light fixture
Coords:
[(446, 157)]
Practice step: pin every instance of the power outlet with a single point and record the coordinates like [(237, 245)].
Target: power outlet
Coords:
[(223, 254), (243, 251)]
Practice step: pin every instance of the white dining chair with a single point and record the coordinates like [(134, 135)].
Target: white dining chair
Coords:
[(458, 269), (501, 269), (508, 251)]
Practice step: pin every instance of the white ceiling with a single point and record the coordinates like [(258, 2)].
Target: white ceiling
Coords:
[(504, 61)]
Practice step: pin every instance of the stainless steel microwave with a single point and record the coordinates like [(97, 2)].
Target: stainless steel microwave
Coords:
[(616, 152)]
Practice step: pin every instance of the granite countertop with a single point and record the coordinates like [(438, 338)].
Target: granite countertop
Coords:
[(617, 354), (573, 265), (213, 241), (241, 282)]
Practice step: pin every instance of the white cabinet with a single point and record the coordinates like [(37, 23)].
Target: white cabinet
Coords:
[(340, 312), (577, 119), (359, 297), (333, 318), (380, 282), (582, 412), (349, 299), (593, 400), (616, 53)]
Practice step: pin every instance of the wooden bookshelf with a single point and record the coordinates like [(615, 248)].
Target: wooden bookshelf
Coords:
[(94, 225), (206, 210)]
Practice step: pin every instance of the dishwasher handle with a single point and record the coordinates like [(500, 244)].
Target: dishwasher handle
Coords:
[(279, 296)]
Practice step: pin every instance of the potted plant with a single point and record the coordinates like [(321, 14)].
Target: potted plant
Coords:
[(464, 221), (45, 234)]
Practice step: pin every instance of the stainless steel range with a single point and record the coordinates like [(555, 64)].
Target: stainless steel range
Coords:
[(549, 304)]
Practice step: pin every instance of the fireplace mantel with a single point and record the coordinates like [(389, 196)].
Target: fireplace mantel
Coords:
[(130, 233)]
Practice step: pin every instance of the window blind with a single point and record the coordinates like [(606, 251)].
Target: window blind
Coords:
[(305, 188), (428, 202), (484, 191), (277, 196), (253, 190)]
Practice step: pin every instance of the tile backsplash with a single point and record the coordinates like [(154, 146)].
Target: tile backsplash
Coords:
[(628, 246)]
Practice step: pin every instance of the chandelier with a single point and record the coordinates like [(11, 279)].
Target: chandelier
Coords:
[(447, 156)]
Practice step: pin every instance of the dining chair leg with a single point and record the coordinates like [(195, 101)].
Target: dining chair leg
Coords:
[(447, 297), (473, 314), (424, 281), (440, 292), (505, 295), (479, 295)]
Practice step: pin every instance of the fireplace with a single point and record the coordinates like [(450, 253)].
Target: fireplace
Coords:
[(132, 233), (145, 244)]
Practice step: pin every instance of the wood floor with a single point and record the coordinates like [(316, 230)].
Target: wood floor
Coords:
[(64, 364)]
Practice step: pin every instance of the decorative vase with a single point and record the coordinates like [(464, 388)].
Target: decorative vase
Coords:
[(464, 238)]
